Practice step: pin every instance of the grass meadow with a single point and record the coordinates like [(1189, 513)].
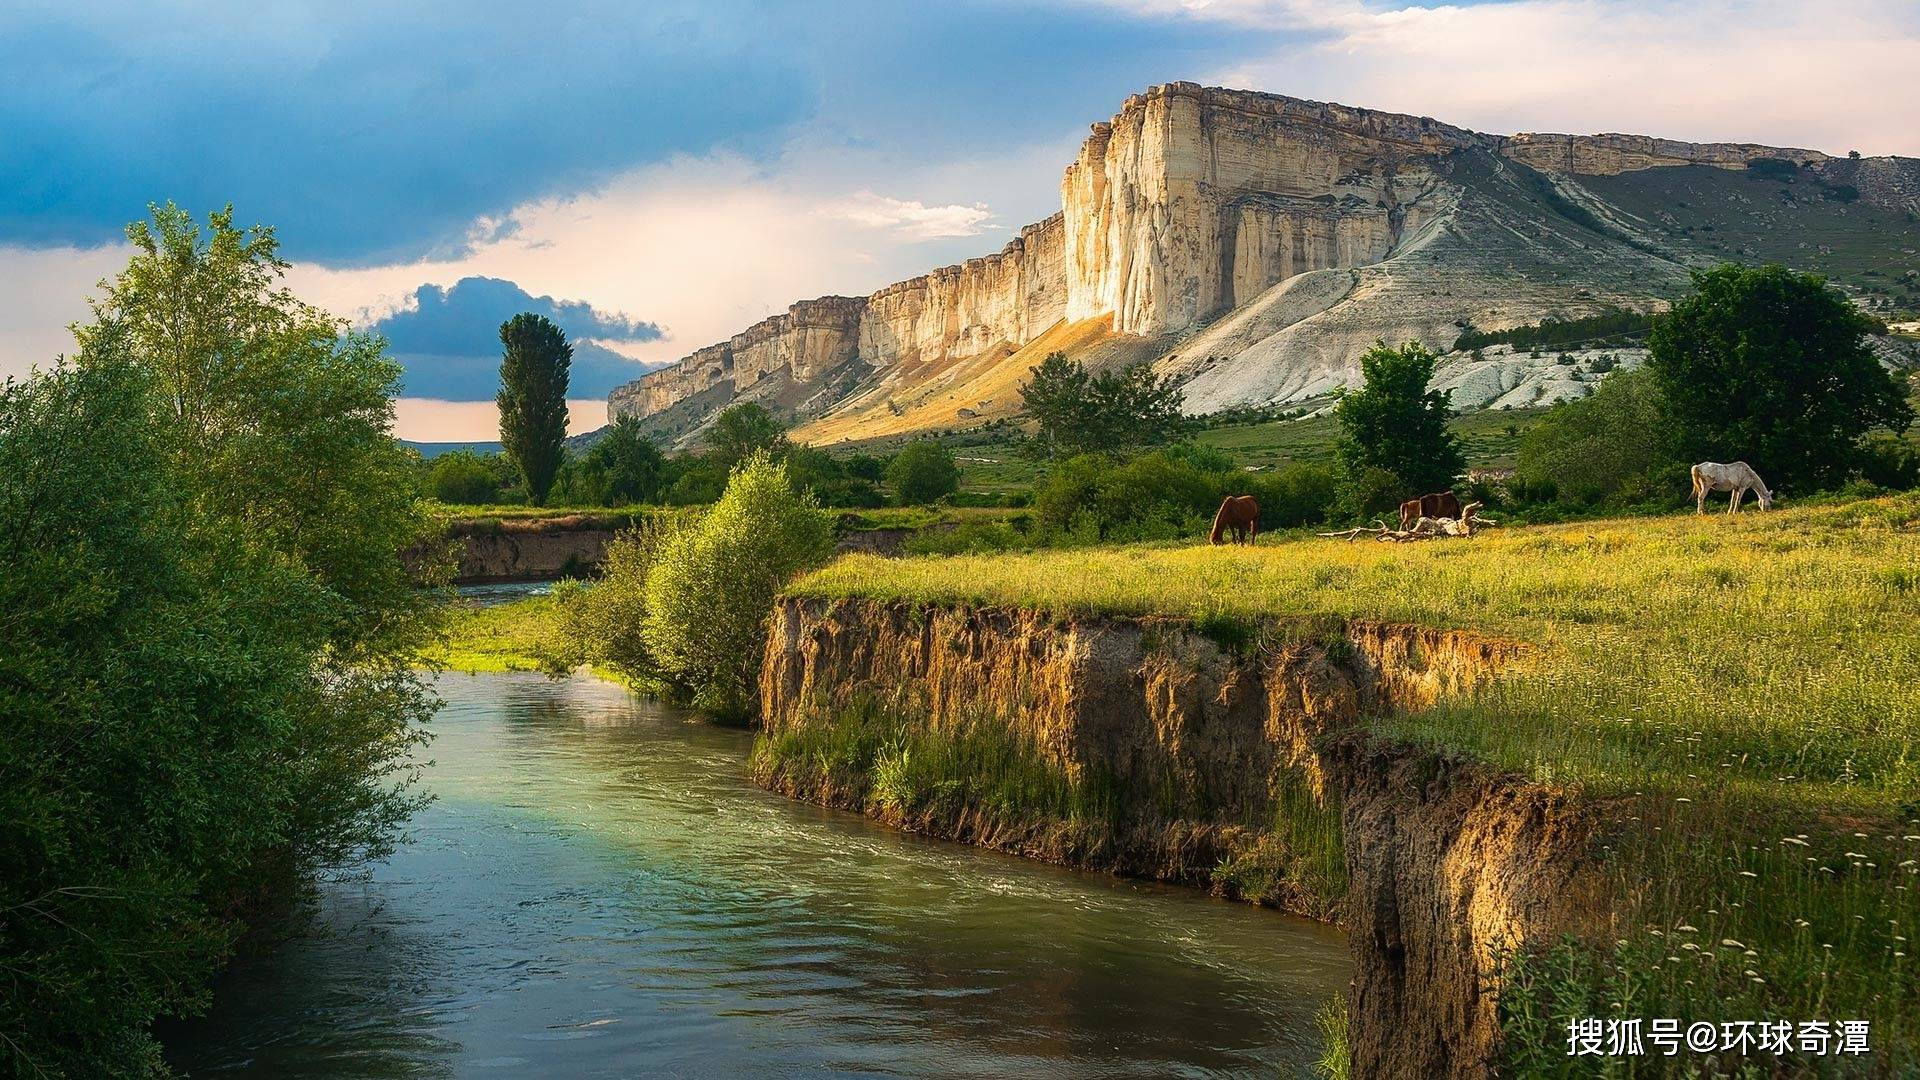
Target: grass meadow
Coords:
[(1740, 694)]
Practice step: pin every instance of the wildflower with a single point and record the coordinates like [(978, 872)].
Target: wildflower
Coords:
[(1685, 929), (1793, 840), (1748, 873), (1731, 944)]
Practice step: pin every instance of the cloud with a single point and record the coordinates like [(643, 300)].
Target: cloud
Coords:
[(1810, 75), (449, 338), (912, 219), (366, 131), (42, 292)]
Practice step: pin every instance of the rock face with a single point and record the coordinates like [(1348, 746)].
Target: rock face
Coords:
[(1447, 863), (1193, 206)]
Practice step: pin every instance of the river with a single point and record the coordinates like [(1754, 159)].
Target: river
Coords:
[(597, 891)]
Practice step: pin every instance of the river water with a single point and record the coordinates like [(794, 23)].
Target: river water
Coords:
[(597, 891)]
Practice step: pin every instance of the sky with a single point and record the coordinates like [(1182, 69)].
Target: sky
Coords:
[(655, 177)]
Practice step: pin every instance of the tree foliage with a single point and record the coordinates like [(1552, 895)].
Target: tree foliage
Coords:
[(205, 690), (742, 430), (711, 585), (923, 472), (1117, 413), (534, 369), (622, 466), (1772, 367), (1605, 448), (1394, 425), (464, 477)]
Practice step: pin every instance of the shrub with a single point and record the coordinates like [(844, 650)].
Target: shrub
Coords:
[(1298, 494), (923, 472), (462, 476), (1157, 496), (711, 585), (1602, 448), (603, 623)]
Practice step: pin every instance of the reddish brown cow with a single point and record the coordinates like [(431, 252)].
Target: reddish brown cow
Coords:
[(1440, 504)]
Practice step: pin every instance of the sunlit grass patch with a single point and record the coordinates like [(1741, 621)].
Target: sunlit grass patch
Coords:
[(1742, 689), (504, 637)]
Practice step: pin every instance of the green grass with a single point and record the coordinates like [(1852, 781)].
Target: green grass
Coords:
[(888, 761), (1725, 214), (504, 637), (1740, 693)]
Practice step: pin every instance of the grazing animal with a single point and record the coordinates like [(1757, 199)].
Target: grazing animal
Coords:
[(1440, 504), (1239, 514), (1738, 478)]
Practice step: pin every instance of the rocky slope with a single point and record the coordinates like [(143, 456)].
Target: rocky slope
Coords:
[(1446, 864), (1254, 244)]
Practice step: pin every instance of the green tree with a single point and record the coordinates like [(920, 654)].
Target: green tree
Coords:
[(810, 469), (1603, 448), (622, 466), (205, 683), (1394, 425), (1113, 412), (743, 430), (712, 585), (923, 472), (533, 399), (462, 476), (1768, 366)]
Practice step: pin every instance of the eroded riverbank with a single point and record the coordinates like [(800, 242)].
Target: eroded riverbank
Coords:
[(599, 891)]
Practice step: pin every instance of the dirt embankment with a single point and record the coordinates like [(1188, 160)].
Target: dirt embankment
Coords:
[(492, 550), (1210, 740), (489, 551)]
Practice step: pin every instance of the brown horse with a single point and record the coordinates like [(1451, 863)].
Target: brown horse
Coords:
[(1441, 504), (1239, 514)]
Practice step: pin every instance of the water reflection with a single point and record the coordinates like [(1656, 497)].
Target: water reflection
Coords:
[(598, 893)]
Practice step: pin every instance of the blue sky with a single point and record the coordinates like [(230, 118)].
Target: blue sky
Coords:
[(659, 175)]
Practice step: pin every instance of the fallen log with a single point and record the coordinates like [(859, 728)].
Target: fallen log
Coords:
[(1426, 528)]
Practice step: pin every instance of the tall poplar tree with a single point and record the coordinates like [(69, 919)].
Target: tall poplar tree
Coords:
[(533, 399)]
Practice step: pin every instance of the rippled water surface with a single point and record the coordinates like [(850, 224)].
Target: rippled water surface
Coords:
[(598, 892)]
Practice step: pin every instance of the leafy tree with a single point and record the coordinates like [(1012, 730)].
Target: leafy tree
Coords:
[(1114, 412), (712, 584), (923, 472), (205, 690), (622, 466), (743, 430), (533, 399), (829, 479), (603, 623), (1772, 367), (1394, 425), (1603, 448), (462, 476)]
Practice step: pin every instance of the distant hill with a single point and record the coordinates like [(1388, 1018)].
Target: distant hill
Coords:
[(1253, 245), (431, 450)]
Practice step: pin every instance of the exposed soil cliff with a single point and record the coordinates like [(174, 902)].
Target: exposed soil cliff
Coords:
[(1217, 751), (544, 549)]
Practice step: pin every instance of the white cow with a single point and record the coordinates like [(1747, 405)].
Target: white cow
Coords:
[(1738, 478)]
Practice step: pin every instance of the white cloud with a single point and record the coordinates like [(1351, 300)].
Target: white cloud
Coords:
[(42, 292), (1828, 76), (911, 219)]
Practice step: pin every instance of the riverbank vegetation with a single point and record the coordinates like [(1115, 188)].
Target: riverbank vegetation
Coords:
[(206, 638), (1741, 688)]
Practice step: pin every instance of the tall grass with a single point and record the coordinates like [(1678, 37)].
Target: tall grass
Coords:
[(1740, 692), (878, 757)]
